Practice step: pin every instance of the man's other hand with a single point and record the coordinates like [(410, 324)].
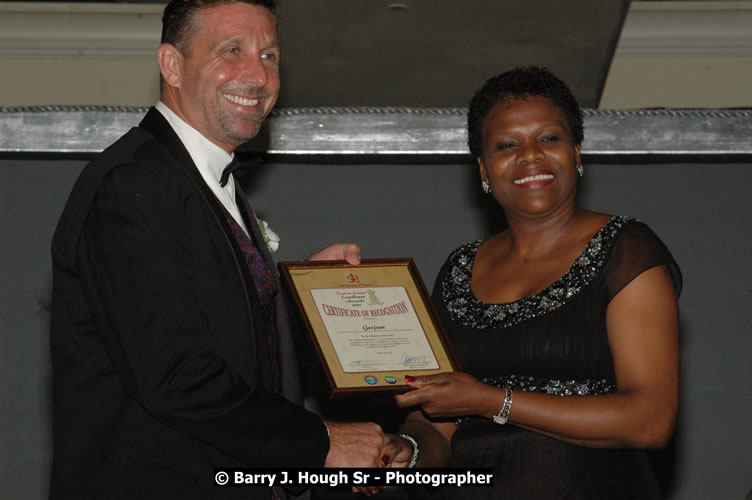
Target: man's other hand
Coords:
[(339, 251), (355, 445)]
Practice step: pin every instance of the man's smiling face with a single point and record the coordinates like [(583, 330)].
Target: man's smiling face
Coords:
[(228, 74)]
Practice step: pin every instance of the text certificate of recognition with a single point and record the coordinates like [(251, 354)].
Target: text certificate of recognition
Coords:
[(374, 329)]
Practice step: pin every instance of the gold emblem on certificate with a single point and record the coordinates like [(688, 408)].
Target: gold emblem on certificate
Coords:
[(371, 324)]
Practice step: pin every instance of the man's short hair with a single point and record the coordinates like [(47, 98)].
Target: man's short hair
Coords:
[(178, 19)]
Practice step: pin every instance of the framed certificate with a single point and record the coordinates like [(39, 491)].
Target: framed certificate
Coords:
[(371, 324)]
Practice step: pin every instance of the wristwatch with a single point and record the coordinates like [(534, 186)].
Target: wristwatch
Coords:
[(503, 415)]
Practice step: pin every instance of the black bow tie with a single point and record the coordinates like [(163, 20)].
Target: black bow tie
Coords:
[(234, 165)]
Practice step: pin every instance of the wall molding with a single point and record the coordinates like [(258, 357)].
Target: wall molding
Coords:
[(86, 130), (689, 29), (43, 30)]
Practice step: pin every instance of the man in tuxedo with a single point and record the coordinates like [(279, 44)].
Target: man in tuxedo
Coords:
[(171, 347)]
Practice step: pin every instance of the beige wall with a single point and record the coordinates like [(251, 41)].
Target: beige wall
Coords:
[(679, 82), (28, 82), (671, 54), (683, 55)]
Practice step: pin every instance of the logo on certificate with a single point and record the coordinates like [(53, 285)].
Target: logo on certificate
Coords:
[(390, 379), (370, 380), (352, 278)]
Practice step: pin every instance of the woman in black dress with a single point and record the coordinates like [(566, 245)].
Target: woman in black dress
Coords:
[(565, 323)]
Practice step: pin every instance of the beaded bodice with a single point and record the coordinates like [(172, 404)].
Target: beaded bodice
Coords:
[(554, 342), (468, 310)]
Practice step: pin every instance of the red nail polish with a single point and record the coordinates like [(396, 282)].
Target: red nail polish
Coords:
[(409, 378), (385, 459)]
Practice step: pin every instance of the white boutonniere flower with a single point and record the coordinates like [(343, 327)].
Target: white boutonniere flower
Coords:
[(270, 237)]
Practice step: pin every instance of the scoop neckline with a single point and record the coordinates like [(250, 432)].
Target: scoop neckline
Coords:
[(558, 283)]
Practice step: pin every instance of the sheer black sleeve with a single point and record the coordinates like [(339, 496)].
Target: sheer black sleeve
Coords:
[(636, 250)]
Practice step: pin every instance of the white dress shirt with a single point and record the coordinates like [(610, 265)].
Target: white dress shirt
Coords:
[(209, 158)]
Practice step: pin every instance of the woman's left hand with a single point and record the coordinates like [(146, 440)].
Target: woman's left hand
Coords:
[(452, 395)]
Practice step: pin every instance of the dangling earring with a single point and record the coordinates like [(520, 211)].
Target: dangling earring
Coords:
[(485, 187), (580, 170)]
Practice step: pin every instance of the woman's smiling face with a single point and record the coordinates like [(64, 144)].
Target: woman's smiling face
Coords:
[(528, 157)]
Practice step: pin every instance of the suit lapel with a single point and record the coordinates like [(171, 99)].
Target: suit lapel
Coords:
[(157, 125), (289, 384)]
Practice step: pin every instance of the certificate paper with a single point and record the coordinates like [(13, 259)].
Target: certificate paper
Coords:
[(371, 324), (374, 328)]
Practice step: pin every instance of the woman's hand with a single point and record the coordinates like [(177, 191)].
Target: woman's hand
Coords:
[(452, 395), (643, 334), (397, 453)]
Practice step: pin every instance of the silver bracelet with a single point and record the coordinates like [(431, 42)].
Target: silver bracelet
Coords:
[(503, 415), (416, 450)]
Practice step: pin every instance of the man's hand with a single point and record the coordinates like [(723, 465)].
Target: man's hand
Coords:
[(339, 251), (355, 445)]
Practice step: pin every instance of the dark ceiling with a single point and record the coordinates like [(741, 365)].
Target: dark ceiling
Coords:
[(436, 53)]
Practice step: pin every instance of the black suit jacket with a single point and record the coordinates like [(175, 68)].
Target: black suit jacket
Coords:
[(153, 337)]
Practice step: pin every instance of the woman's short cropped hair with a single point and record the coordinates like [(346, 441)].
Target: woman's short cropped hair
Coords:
[(521, 83)]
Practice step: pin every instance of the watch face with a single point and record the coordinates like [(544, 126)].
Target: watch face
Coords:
[(503, 415)]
